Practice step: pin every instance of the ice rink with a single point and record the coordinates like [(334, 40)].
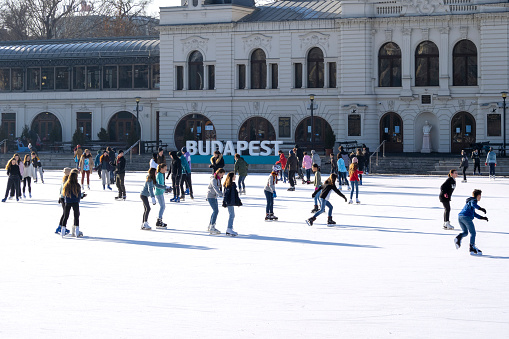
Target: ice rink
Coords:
[(386, 270)]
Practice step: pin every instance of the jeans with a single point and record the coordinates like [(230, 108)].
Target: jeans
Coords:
[(492, 169), (270, 202), (162, 204), (344, 178), (241, 183), (308, 174), (105, 176), (120, 185), (355, 187), (215, 210), (146, 206), (38, 169), (477, 164), (291, 177), (447, 209), (283, 175), (322, 209), (231, 211), (76, 209), (467, 225)]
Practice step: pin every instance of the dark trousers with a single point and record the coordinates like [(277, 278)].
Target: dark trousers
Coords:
[(76, 209), (146, 206), (182, 181), (175, 181), (120, 184), (13, 183), (62, 202), (291, 177), (27, 180), (187, 179), (447, 209), (492, 169), (270, 202), (465, 173), (477, 164)]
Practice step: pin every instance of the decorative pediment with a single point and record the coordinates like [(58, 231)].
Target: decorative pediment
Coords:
[(355, 108), (257, 41), (194, 42), (425, 6), (314, 39)]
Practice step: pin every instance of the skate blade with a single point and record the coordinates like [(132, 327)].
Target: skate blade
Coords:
[(309, 224), (231, 235)]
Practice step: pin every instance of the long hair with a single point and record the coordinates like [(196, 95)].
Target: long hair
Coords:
[(451, 172), (353, 167), (71, 185), (160, 167), (229, 179), (9, 163), (26, 161), (219, 171), (152, 175), (331, 180), (84, 155), (19, 158)]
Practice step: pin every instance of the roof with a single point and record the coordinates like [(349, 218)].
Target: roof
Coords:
[(79, 49), (296, 11)]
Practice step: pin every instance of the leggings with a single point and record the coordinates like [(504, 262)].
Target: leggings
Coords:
[(13, 183), (465, 173), (29, 181), (182, 181), (175, 181), (76, 209), (146, 206), (477, 164), (87, 173), (447, 209), (62, 202)]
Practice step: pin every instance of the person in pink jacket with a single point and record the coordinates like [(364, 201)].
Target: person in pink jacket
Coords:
[(307, 163)]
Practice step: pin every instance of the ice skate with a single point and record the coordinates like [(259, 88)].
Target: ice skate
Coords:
[(213, 230), (178, 199), (448, 226), (4, 200), (273, 217), (73, 232), (10, 198), (351, 201), (109, 187), (160, 224), (24, 197), (187, 191), (88, 186), (310, 221), (123, 198), (349, 188), (78, 233), (30, 195), (357, 201), (457, 242), (474, 250), (315, 209), (192, 196), (145, 226), (463, 181), (267, 217), (104, 187), (174, 199), (183, 198), (63, 231), (118, 198), (231, 232), (330, 222), (291, 189)]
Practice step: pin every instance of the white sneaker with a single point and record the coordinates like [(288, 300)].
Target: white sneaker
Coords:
[(145, 226), (349, 188), (448, 226), (351, 201), (357, 201), (231, 232), (213, 230)]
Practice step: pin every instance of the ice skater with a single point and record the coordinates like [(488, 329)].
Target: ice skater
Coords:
[(241, 167), (491, 160), (28, 174), (307, 164), (14, 180), (214, 191), (317, 183), (161, 170), (148, 191), (61, 200), (175, 170), (85, 166), (282, 163), (270, 194), (119, 166), (105, 170), (325, 190), (477, 161), (186, 178), (464, 165), (334, 167), (21, 165), (72, 196), (354, 173), (465, 219), (445, 197), (343, 172), (292, 164), (189, 182), (230, 200)]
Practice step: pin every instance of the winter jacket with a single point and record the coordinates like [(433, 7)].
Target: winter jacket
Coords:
[(185, 165), (188, 158), (120, 165), (83, 162), (73, 198), (282, 161), (36, 162), (476, 157), (341, 165), (160, 181), (300, 156), (346, 159), (153, 163), (241, 167), (464, 161), (231, 196), (469, 209), (354, 175), (161, 159), (29, 171), (97, 160), (149, 186), (214, 190), (292, 164), (316, 158), (318, 179), (333, 167), (176, 166), (105, 162), (271, 184), (326, 190), (216, 163), (446, 189), (307, 162), (491, 158), (362, 161), (112, 155), (13, 171), (78, 152)]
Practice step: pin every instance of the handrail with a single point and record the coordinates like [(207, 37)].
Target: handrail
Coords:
[(376, 152), (129, 150), (2, 142)]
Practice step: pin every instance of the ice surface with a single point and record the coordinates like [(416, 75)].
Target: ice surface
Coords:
[(386, 270)]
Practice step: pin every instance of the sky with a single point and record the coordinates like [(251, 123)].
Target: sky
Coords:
[(153, 8)]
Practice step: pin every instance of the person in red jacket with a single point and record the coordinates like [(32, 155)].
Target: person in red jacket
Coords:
[(354, 172), (282, 162)]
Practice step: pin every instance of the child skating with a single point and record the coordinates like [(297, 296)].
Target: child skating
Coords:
[(325, 190), (317, 183), (466, 217), (230, 200), (354, 180), (270, 194)]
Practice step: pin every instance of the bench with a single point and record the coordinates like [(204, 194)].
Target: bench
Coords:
[(152, 146), (348, 145)]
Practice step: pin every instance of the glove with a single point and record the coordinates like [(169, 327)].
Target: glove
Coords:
[(485, 164), (274, 194), (446, 195), (153, 200), (484, 218), (482, 209)]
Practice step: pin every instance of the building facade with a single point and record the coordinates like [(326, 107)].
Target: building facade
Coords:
[(378, 70)]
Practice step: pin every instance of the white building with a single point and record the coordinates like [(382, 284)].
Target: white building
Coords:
[(378, 70)]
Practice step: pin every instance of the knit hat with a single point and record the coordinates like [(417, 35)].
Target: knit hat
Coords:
[(355, 160), (291, 152), (160, 149), (67, 171), (120, 151), (184, 149)]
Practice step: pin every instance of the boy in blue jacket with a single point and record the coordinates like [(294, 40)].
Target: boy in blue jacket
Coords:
[(466, 217)]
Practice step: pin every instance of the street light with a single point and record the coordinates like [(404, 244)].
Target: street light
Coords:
[(138, 121), (504, 96), (312, 98)]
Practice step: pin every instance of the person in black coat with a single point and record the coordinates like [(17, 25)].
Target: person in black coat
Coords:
[(476, 156), (119, 166), (464, 164), (300, 157), (325, 191), (445, 197), (175, 169), (14, 178), (216, 162), (292, 164), (230, 200)]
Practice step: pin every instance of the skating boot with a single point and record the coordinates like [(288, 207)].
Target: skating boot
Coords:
[(267, 217), (231, 232), (104, 187), (187, 191), (109, 187), (160, 224), (315, 209), (448, 226), (291, 189), (24, 197), (183, 198), (118, 198), (357, 201), (78, 233), (310, 221), (73, 232), (178, 199), (330, 222), (88, 186), (63, 231), (191, 195), (213, 230), (4, 200), (457, 242), (474, 250), (30, 195), (123, 198), (351, 201), (145, 226), (174, 199), (273, 217)]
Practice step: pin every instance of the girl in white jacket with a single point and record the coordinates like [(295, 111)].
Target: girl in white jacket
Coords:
[(28, 174)]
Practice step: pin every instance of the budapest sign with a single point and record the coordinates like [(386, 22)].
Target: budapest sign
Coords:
[(255, 148)]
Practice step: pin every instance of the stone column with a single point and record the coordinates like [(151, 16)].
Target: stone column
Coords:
[(406, 62), (444, 61)]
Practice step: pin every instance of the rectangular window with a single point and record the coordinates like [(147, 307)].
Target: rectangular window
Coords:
[(354, 125), (274, 76), (62, 78), (140, 76), (125, 76), (48, 78), (494, 125), (298, 75), (78, 77), (5, 77), (110, 75), (180, 78), (284, 127), (212, 76), (17, 79), (9, 125), (156, 76), (93, 77), (34, 79), (242, 76), (332, 75)]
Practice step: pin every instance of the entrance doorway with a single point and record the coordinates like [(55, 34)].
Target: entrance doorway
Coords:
[(194, 127), (462, 131), (121, 125), (303, 134), (391, 130)]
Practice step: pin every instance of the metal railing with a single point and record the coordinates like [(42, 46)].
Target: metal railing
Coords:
[(375, 153), (3, 144), (129, 150)]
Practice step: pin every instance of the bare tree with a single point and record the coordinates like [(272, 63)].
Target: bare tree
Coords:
[(14, 18)]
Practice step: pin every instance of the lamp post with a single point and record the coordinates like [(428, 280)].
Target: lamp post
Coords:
[(138, 121), (504, 96), (312, 99)]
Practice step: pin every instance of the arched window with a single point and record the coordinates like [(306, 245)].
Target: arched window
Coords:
[(303, 134), (315, 68), (194, 127), (122, 125), (389, 65), (258, 70), (257, 128), (195, 67), (464, 65), (47, 127), (426, 64)]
